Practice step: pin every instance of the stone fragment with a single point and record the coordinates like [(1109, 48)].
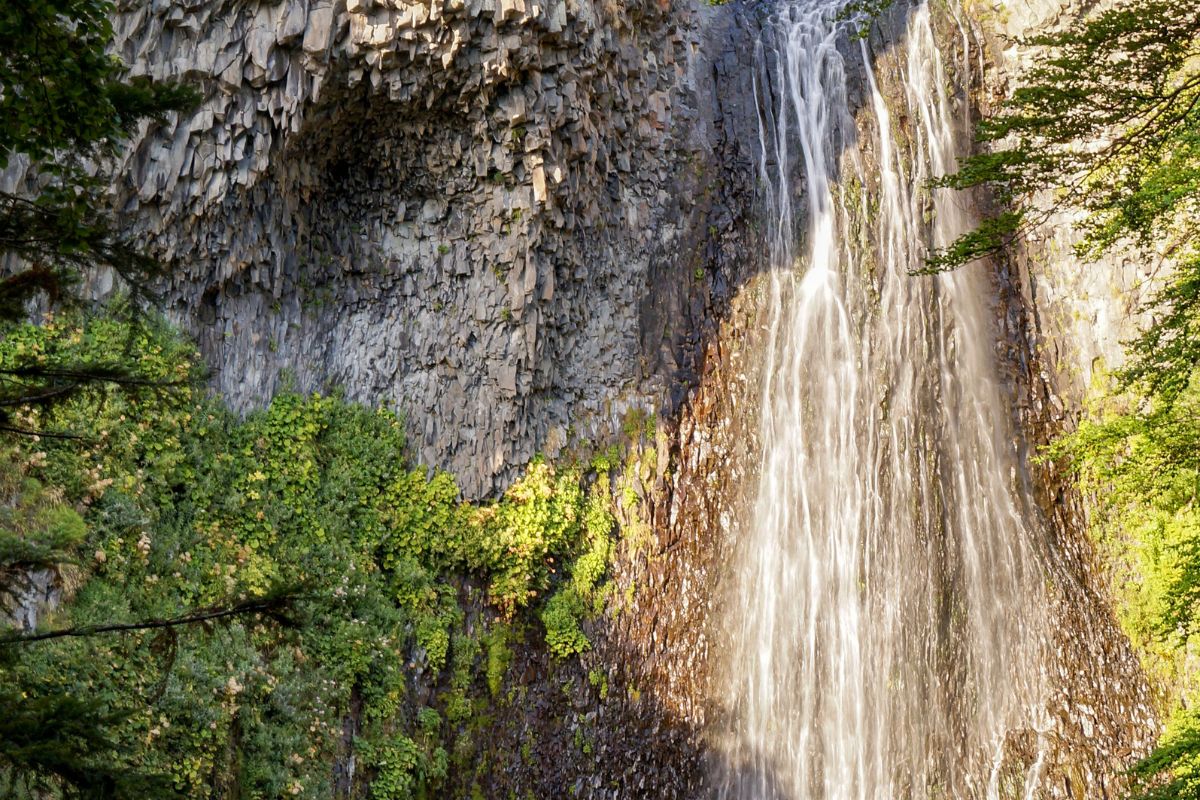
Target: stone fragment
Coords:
[(293, 22), (320, 22), (539, 184)]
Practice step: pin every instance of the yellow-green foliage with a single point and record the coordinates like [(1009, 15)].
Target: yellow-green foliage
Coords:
[(499, 656), (598, 526), (37, 528), (562, 616), (583, 595), (519, 538), (403, 769), (1143, 467)]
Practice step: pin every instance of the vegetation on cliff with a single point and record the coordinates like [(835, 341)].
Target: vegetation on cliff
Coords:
[(285, 605), (65, 108), (1108, 120), (400, 599), (1141, 458)]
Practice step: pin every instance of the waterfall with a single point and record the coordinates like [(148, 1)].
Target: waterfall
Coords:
[(888, 614)]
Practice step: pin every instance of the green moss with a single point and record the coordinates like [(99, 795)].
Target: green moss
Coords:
[(499, 656), (598, 679)]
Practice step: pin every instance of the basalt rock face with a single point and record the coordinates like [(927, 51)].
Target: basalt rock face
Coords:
[(514, 221), (628, 718), (456, 208)]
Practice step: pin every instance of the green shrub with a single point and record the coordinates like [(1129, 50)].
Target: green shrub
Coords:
[(178, 504), (561, 616), (403, 770)]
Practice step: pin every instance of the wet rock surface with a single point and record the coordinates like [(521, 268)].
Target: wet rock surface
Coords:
[(629, 719), (1060, 319), (1100, 714)]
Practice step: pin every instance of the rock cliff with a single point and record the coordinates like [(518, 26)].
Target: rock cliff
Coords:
[(470, 211)]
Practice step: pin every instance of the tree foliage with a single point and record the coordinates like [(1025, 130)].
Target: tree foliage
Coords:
[(60, 92), (178, 512), (65, 107), (1107, 120)]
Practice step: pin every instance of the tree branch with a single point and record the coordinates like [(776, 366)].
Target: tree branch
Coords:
[(272, 606)]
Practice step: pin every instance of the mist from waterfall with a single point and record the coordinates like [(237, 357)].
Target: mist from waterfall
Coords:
[(888, 614)]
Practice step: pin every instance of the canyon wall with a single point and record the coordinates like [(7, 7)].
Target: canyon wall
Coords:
[(1065, 320)]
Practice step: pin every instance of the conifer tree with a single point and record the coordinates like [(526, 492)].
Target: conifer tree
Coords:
[(1107, 120), (66, 105)]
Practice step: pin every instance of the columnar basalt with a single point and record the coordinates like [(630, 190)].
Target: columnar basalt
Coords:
[(454, 208)]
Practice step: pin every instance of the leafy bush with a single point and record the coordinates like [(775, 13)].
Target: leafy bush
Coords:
[(561, 616), (403, 770)]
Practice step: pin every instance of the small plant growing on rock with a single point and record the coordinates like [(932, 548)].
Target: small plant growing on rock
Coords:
[(561, 616)]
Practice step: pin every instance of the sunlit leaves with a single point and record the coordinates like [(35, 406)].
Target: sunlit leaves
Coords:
[(175, 503), (1143, 466), (1107, 120)]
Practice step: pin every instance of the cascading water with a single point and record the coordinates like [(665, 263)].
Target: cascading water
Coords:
[(889, 614)]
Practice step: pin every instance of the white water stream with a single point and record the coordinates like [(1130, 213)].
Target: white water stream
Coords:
[(888, 613)]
